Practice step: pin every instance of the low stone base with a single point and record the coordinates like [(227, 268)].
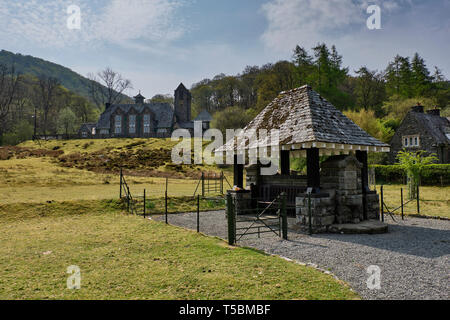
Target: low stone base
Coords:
[(365, 227)]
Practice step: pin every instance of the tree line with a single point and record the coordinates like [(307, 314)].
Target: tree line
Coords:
[(376, 100), (40, 106)]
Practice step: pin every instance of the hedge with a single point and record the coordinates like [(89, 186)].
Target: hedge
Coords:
[(432, 175)]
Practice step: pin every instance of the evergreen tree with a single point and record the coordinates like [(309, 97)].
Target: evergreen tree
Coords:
[(420, 76)]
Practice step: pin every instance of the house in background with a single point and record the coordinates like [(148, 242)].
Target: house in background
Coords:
[(146, 120), (423, 131)]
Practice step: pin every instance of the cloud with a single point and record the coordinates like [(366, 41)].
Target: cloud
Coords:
[(310, 21), (102, 22)]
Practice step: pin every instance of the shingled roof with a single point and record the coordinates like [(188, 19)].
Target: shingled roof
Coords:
[(307, 120), (164, 114), (438, 127)]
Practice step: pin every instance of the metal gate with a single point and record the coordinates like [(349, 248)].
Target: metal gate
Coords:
[(267, 217)]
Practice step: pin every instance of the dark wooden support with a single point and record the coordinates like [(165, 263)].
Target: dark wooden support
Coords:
[(362, 157), (313, 168), (285, 163), (238, 172)]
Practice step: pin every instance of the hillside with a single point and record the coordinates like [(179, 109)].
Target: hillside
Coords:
[(39, 67)]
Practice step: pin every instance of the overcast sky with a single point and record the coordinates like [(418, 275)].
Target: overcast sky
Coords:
[(159, 43)]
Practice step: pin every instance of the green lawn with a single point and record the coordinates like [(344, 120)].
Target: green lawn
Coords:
[(434, 201), (127, 257)]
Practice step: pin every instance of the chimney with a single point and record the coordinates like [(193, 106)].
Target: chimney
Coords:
[(435, 112), (418, 108)]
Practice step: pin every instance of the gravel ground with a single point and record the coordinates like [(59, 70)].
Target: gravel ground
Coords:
[(413, 256)]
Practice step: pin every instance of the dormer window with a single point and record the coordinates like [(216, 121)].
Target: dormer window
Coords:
[(411, 141), (132, 124), (118, 124)]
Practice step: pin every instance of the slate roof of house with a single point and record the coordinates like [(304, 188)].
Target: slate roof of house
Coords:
[(89, 126), (204, 116), (438, 127), (304, 117), (164, 114)]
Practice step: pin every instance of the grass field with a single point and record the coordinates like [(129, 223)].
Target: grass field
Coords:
[(126, 257), (434, 201)]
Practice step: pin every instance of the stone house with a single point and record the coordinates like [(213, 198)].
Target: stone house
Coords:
[(145, 120), (423, 131)]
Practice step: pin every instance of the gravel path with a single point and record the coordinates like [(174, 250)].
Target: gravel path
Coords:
[(413, 256)]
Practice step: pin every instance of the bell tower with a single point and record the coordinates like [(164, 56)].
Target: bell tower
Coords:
[(183, 99)]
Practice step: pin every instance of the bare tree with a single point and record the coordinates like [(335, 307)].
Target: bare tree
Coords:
[(108, 86), (9, 85), (46, 93)]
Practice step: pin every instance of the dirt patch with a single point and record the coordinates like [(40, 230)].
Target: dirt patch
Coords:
[(11, 152), (142, 162)]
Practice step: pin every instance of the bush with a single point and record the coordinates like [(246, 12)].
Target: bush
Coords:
[(432, 175)]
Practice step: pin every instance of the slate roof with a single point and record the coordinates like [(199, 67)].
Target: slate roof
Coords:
[(164, 114), (438, 127), (303, 116), (204, 116), (88, 126)]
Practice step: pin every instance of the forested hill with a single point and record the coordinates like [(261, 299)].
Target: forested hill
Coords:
[(41, 68)]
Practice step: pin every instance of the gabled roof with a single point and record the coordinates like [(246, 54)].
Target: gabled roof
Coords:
[(306, 120), (163, 112), (89, 126), (204, 116), (436, 126)]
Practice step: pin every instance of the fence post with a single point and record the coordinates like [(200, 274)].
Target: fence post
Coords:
[(403, 211), (221, 182), (382, 203), (203, 184), (310, 214), (284, 224), (231, 221), (144, 205), (198, 213), (166, 210), (121, 175), (418, 199)]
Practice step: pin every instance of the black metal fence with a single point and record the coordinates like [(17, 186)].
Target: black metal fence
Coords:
[(268, 217)]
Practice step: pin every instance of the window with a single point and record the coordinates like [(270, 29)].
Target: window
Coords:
[(411, 141), (132, 124), (84, 134), (118, 125), (146, 123), (94, 131)]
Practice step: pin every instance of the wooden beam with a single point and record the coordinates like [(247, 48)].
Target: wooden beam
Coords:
[(285, 163), (238, 172), (313, 168)]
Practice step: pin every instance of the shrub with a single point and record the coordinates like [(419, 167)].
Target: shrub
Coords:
[(434, 174)]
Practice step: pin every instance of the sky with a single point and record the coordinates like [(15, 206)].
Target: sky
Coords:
[(159, 43)]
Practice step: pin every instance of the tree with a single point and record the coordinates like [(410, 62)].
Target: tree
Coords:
[(421, 78), (108, 86), (67, 121), (46, 93), (9, 85), (230, 118), (367, 121), (369, 91), (413, 163)]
